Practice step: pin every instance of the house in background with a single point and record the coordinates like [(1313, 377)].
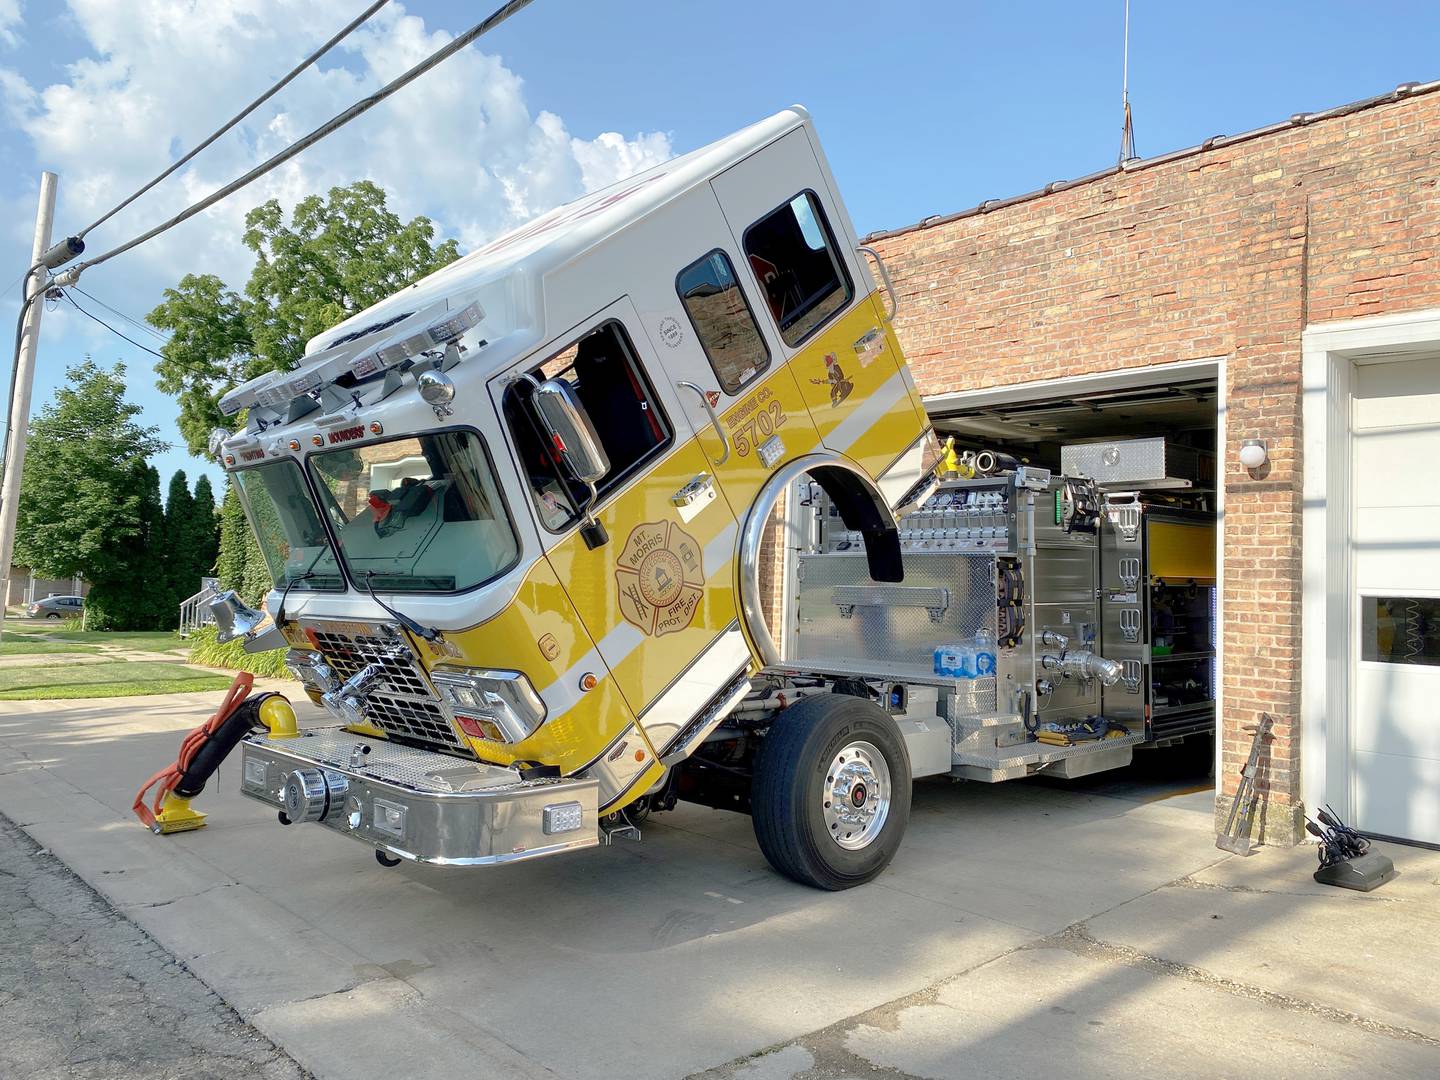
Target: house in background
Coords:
[(25, 588)]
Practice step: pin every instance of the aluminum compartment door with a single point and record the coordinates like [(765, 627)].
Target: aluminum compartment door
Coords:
[(1395, 543)]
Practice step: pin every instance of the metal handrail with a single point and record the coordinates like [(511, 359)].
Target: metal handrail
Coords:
[(889, 285), (714, 420), (195, 612)]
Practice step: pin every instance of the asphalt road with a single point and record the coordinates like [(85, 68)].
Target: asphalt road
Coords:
[(85, 993)]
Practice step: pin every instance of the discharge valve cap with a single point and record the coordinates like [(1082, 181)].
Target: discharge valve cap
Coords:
[(310, 794)]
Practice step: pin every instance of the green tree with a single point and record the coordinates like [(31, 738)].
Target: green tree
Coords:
[(230, 562), (337, 255), (205, 528), (190, 537), (210, 350), (176, 556), (239, 564), (86, 500)]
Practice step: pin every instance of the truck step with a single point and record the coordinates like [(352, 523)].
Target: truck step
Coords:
[(1005, 757)]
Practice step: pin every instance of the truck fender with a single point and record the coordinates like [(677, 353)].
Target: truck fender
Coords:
[(863, 509)]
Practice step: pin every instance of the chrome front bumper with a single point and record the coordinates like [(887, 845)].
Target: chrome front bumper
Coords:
[(416, 804)]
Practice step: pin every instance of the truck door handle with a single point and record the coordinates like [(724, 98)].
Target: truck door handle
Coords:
[(885, 279), (714, 420)]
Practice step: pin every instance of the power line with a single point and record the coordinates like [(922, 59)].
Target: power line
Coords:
[(266, 96), (162, 338), (364, 105), (107, 326)]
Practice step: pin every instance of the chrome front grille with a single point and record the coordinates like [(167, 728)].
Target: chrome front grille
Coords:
[(349, 654), (403, 703)]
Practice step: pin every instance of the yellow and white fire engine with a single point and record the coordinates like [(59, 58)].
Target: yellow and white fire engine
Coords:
[(636, 504)]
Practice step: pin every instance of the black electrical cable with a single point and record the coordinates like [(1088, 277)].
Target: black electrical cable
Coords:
[(498, 16), (266, 96), (156, 334), (107, 326)]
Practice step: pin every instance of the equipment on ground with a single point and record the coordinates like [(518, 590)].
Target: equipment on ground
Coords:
[(1236, 838), (639, 504), (202, 751), (1345, 856)]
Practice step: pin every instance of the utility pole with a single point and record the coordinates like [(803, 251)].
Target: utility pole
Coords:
[(24, 384)]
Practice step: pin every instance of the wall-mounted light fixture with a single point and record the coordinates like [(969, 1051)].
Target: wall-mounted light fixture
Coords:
[(1253, 453)]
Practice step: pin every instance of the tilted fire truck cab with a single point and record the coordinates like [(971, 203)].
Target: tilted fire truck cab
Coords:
[(515, 513), (639, 504)]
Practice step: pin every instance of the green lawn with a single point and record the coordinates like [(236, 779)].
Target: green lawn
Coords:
[(13, 645), (14, 625), (51, 681), (146, 640)]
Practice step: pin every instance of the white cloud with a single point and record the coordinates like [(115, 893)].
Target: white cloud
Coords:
[(154, 77), (460, 144), (9, 19)]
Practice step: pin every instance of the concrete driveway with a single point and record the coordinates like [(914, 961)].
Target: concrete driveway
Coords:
[(1024, 928)]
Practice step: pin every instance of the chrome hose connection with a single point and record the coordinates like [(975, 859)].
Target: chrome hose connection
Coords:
[(347, 701), (1084, 665)]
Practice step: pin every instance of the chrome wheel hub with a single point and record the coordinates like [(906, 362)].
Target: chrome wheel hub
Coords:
[(856, 796)]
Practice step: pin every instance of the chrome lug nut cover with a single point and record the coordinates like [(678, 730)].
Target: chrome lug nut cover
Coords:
[(856, 796)]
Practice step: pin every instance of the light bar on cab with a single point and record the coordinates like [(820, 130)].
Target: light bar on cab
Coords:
[(358, 354), (438, 333)]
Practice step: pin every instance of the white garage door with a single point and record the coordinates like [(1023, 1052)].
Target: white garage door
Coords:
[(1395, 730)]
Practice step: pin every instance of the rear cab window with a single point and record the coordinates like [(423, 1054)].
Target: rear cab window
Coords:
[(723, 321), (794, 257), (605, 375)]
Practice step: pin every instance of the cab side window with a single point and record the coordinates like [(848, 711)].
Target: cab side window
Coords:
[(723, 320), (793, 254), (607, 379)]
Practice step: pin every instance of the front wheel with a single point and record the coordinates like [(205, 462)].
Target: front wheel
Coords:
[(831, 793)]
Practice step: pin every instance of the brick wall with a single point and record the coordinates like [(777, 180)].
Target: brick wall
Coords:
[(1228, 252)]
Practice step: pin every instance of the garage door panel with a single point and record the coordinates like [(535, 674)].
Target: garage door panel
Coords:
[(1388, 695), (1398, 796), (1397, 548), (1391, 468), (1396, 394), (1395, 543)]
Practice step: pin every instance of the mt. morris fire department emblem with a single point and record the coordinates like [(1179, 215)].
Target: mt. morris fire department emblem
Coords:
[(660, 577)]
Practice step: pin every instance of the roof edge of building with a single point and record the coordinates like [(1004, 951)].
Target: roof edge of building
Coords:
[(1402, 92)]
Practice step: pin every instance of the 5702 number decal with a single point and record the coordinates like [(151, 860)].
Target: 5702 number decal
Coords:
[(755, 421)]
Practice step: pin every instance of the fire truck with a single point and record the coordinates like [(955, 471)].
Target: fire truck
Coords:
[(639, 504)]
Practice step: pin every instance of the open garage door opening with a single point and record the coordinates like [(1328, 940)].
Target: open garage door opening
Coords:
[(1148, 440)]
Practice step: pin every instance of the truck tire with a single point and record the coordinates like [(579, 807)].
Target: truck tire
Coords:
[(830, 797)]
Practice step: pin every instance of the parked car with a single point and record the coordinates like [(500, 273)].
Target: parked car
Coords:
[(56, 607)]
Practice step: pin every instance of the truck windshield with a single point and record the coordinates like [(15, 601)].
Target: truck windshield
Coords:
[(287, 529), (418, 514)]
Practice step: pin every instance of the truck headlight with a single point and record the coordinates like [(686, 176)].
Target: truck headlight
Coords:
[(500, 706)]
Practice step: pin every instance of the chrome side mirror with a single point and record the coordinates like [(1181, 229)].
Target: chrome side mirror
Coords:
[(569, 426)]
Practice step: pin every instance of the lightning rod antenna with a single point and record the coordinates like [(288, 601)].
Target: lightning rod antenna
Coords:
[(1127, 129)]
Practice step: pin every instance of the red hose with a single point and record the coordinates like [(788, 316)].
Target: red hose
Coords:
[(171, 775)]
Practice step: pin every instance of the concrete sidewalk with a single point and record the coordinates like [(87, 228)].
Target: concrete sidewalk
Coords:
[(1024, 928)]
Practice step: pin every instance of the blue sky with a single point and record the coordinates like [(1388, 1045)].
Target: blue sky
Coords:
[(923, 107)]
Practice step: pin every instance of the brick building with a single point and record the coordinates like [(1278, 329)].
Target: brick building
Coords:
[(1287, 280)]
